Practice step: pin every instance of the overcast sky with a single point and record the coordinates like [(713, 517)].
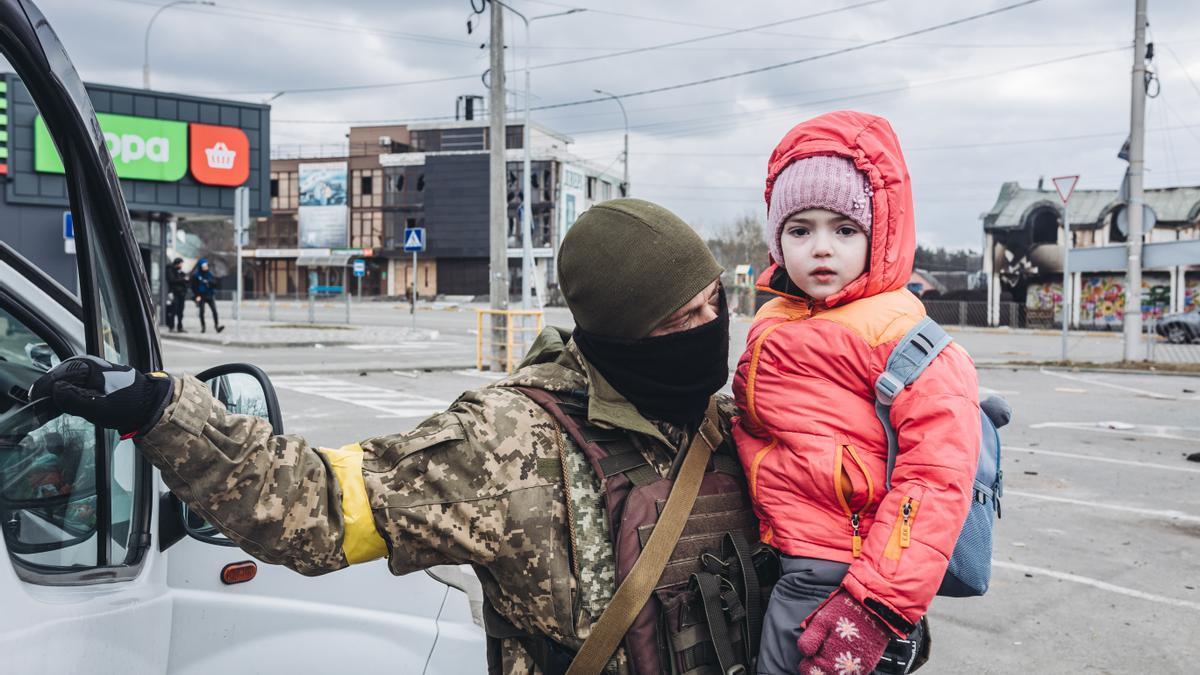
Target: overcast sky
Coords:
[(975, 104)]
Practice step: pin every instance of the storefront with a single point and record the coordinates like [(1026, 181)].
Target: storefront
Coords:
[(179, 159)]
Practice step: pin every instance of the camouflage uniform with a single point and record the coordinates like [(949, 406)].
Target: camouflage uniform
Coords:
[(492, 482)]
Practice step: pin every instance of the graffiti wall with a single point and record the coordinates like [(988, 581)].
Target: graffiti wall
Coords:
[(1043, 303), (1191, 291), (1102, 299)]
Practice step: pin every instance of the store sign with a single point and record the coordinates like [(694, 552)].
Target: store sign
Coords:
[(219, 155), (141, 148)]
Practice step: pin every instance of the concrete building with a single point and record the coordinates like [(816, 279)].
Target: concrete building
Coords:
[(433, 176), (179, 159), (1024, 249)]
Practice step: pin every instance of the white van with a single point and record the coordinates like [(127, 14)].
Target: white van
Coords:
[(106, 572)]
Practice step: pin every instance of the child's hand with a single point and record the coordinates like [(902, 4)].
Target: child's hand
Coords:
[(842, 638)]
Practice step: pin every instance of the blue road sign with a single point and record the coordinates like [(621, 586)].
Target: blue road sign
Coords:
[(68, 225), (360, 268), (414, 239)]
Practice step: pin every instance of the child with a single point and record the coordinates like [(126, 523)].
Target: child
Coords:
[(861, 563)]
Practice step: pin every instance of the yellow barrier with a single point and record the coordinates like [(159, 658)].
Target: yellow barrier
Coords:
[(504, 352)]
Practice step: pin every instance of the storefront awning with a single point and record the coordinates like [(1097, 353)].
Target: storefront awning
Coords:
[(323, 260)]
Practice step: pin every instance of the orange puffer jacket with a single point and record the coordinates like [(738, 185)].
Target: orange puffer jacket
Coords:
[(814, 451)]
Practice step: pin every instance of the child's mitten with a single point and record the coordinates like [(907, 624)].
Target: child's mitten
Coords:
[(842, 638)]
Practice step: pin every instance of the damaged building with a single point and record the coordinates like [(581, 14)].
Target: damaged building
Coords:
[(1024, 253)]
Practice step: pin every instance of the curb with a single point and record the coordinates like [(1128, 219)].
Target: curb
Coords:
[(1023, 365)]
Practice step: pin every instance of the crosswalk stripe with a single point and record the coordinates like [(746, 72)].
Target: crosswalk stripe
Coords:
[(389, 401)]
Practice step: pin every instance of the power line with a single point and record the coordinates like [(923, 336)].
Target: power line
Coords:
[(668, 45), (695, 124), (241, 12), (586, 59), (903, 87), (807, 59)]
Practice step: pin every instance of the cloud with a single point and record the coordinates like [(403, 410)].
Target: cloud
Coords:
[(701, 151)]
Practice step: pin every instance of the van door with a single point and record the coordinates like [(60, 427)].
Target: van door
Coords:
[(81, 587)]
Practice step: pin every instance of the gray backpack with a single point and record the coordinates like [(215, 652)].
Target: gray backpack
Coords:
[(970, 567)]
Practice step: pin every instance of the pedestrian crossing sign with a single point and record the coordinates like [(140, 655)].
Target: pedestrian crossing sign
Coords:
[(414, 239)]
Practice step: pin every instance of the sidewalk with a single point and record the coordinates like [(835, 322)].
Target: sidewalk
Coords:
[(266, 334)]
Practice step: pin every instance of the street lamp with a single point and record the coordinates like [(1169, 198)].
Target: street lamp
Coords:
[(625, 154), (526, 189), (146, 49)]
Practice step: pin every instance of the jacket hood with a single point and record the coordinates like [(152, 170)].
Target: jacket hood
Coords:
[(870, 142)]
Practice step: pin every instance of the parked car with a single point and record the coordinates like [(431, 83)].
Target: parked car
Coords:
[(105, 571), (1180, 328)]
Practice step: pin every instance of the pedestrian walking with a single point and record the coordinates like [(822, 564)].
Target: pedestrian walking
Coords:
[(204, 287), (177, 293), (566, 485), (861, 560)]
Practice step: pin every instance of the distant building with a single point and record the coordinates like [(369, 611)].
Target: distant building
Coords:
[(433, 176), (1023, 253)]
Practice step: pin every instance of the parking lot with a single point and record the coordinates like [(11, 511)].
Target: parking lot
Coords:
[(1096, 555)]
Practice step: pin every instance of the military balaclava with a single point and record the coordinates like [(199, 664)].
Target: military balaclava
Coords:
[(624, 266)]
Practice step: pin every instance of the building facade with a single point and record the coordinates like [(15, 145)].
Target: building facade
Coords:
[(417, 176), (1024, 250), (179, 159)]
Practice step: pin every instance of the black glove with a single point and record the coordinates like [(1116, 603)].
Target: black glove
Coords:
[(109, 395)]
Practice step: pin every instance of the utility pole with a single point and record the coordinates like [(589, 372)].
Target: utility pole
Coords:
[(1137, 199), (497, 181), (625, 154)]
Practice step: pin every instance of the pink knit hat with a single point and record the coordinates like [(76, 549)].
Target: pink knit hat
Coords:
[(820, 182)]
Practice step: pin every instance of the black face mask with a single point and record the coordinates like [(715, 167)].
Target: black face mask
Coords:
[(669, 377)]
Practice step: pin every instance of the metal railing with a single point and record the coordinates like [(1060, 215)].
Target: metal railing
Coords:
[(973, 313), (1167, 346), (501, 345)]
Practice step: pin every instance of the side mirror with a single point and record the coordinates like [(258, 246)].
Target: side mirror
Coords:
[(244, 390), (41, 355)]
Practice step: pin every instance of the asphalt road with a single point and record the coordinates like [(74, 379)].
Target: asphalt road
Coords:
[(1098, 550), (1097, 556)]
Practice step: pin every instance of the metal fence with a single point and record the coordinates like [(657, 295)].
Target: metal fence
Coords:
[(1164, 345), (973, 313)]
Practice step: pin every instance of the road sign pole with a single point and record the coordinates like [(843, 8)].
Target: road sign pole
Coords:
[(241, 221), (1066, 289), (1065, 185), (413, 310)]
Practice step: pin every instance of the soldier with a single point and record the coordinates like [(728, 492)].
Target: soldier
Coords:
[(493, 481)]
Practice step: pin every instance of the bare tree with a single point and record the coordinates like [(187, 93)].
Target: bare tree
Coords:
[(740, 243)]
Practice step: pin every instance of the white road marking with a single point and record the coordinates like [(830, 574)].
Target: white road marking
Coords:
[(1096, 583), (401, 346), (988, 391), (389, 401), (1125, 429), (188, 345), (1107, 460), (485, 374), (1101, 383), (1153, 513), (1071, 390)]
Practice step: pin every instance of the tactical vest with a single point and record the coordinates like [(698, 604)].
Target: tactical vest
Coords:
[(705, 615)]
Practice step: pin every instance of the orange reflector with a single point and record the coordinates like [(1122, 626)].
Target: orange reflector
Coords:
[(239, 572)]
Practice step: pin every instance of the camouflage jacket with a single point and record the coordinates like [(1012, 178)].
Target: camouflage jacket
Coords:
[(492, 482)]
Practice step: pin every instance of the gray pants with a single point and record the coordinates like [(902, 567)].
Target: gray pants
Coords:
[(803, 585)]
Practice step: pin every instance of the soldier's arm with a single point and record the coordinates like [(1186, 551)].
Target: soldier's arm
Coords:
[(438, 494)]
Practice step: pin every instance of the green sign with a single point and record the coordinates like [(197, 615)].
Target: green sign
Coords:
[(141, 148)]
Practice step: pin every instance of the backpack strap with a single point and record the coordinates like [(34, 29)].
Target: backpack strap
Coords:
[(910, 357), (635, 590)]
